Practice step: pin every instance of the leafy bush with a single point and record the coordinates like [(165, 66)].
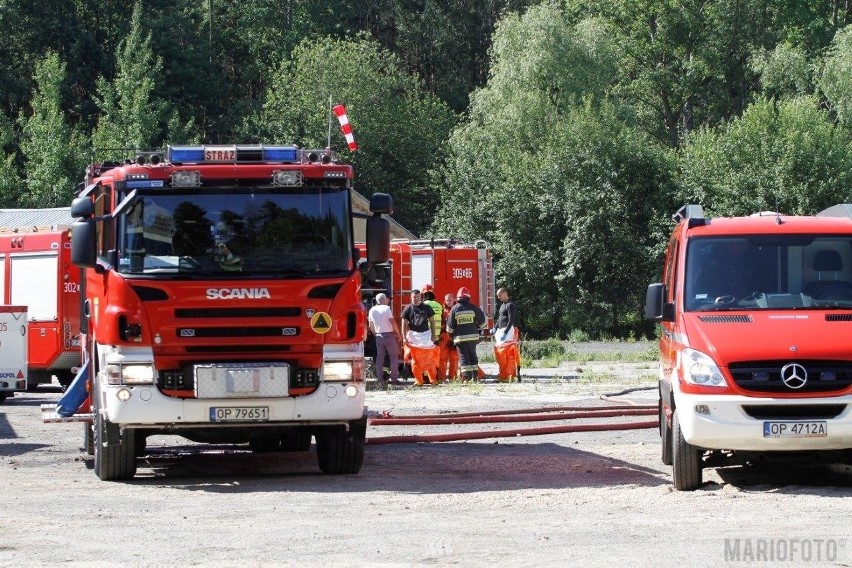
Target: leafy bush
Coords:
[(547, 349)]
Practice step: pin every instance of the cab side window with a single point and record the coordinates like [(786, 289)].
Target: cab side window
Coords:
[(670, 271)]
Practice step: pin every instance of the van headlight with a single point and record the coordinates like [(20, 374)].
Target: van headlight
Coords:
[(337, 371), (700, 369), (136, 374)]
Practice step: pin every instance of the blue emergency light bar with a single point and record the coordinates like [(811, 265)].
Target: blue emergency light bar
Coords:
[(231, 154)]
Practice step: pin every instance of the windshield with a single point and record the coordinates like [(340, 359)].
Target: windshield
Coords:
[(777, 272), (233, 232)]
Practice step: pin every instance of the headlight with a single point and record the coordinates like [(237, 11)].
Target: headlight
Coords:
[(337, 371), (130, 374), (699, 369)]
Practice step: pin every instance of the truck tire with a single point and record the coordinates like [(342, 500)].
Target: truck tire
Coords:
[(665, 437), (687, 468), (296, 441), (115, 451), (3, 397), (340, 450)]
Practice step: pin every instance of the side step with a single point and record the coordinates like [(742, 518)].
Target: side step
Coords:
[(50, 415)]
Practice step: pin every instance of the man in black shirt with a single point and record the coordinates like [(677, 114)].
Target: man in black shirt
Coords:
[(417, 339)]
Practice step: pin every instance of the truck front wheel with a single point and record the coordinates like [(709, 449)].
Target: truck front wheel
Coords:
[(340, 450), (115, 450), (687, 468)]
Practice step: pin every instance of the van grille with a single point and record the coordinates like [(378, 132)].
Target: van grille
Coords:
[(793, 411), (765, 376)]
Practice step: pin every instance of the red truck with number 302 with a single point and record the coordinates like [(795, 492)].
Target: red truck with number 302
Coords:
[(223, 303), (36, 271), (756, 316)]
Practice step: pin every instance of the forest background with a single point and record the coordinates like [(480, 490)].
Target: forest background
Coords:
[(564, 133)]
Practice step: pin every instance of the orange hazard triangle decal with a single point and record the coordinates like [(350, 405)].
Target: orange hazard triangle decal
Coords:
[(321, 322)]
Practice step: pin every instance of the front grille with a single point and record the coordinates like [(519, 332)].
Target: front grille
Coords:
[(765, 376), (205, 332), (238, 313), (794, 411)]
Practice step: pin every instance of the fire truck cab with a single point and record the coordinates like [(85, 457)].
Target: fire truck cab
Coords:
[(755, 357), (222, 301)]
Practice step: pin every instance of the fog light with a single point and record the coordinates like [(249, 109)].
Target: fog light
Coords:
[(702, 409), (123, 394), (351, 391)]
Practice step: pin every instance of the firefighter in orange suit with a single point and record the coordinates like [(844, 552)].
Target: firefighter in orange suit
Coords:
[(448, 355)]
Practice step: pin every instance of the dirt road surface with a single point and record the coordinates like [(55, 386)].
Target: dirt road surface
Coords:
[(581, 499)]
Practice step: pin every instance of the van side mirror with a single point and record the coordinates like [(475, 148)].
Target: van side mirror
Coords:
[(656, 307)]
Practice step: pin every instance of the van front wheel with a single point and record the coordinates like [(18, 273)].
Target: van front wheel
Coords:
[(687, 467)]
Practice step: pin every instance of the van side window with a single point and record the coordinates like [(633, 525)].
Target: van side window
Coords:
[(670, 271)]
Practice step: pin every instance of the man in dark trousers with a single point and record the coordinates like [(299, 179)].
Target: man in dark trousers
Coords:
[(464, 324)]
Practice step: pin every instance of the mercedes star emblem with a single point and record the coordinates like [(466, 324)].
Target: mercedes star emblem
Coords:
[(794, 375)]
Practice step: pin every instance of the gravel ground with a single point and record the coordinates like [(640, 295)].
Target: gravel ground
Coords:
[(571, 499)]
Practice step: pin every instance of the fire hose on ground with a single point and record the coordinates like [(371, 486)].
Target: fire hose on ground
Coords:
[(519, 415)]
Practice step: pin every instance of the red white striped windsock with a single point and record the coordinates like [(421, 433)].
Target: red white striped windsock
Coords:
[(345, 127)]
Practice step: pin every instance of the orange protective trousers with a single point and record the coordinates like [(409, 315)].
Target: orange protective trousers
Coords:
[(448, 359), (508, 358), (423, 360)]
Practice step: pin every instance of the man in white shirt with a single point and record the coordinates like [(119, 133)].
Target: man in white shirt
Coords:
[(386, 330)]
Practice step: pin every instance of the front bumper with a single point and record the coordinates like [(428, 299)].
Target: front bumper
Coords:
[(727, 425), (148, 407)]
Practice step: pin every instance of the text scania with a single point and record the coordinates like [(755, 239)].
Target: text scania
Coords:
[(237, 293)]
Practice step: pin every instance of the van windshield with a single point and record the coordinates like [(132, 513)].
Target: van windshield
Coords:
[(769, 272)]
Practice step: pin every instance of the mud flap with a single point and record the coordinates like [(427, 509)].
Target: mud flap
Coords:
[(75, 395)]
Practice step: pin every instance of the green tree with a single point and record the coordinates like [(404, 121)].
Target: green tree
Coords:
[(10, 180), (52, 150), (785, 156), (130, 114), (548, 173), (836, 77), (399, 129)]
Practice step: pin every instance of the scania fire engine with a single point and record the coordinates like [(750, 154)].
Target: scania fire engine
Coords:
[(223, 303)]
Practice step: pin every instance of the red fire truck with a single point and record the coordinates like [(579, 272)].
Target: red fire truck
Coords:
[(36, 271), (446, 264), (223, 303)]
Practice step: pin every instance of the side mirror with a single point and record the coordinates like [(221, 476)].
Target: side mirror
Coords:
[(655, 306), (83, 243), (82, 207), (378, 239), (381, 203)]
